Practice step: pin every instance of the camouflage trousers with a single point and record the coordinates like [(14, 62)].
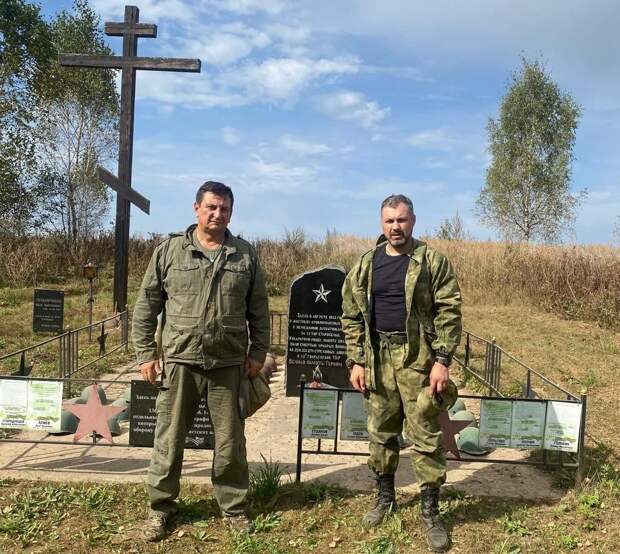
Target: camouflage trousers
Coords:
[(183, 387), (392, 409)]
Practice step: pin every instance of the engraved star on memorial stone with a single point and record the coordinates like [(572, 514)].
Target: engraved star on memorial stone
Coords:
[(321, 293), (93, 417), (449, 428)]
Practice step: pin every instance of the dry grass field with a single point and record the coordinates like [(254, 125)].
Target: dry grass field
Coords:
[(555, 308)]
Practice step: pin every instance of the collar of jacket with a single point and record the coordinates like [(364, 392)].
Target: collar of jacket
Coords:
[(229, 240), (416, 251)]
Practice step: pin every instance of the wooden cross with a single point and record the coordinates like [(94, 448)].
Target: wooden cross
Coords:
[(129, 62)]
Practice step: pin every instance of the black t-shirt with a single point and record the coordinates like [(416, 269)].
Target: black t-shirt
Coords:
[(389, 312)]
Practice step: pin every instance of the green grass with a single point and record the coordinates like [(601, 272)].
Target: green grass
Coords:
[(265, 484), (314, 517)]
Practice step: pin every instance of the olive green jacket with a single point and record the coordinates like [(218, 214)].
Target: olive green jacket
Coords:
[(212, 314), (433, 301)]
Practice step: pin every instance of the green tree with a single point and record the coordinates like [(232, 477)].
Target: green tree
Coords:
[(452, 228), (527, 193), (77, 129), (26, 52)]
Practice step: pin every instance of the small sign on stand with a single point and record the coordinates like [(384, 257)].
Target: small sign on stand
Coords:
[(48, 311)]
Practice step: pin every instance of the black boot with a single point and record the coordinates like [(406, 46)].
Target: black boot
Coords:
[(386, 501), (436, 533)]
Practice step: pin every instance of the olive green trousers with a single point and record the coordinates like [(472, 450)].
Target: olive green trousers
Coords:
[(392, 409), (183, 386)]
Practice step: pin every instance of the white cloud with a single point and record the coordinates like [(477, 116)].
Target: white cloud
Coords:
[(246, 7), (230, 136), (190, 91), (276, 176), (150, 10), (288, 33), (278, 170), (302, 147), (282, 79), (225, 48), (431, 139), (352, 106)]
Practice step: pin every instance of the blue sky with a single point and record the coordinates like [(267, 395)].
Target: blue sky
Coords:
[(314, 111)]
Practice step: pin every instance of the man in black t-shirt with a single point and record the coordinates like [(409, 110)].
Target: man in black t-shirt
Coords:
[(402, 323)]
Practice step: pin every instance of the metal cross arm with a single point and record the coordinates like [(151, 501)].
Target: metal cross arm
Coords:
[(123, 190), (122, 62)]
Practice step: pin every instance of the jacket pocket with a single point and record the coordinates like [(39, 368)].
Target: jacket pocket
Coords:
[(183, 278), (182, 337), (235, 283), (235, 336)]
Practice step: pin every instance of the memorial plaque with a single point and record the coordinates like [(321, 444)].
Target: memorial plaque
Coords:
[(143, 418), (315, 336), (48, 311)]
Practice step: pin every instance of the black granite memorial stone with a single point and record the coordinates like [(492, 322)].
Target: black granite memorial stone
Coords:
[(143, 417), (48, 311), (314, 333)]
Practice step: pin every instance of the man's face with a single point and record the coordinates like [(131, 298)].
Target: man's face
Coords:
[(397, 224), (213, 212)]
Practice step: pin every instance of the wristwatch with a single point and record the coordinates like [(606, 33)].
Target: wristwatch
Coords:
[(443, 358), (350, 362)]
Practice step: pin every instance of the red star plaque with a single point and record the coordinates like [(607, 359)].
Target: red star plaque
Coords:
[(449, 428), (93, 417)]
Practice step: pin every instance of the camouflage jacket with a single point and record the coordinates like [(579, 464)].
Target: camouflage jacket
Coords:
[(211, 312), (433, 301)]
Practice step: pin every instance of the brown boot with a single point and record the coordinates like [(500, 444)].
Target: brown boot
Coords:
[(386, 501), (437, 535)]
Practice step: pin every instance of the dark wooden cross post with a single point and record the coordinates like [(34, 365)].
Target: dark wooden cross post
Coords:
[(128, 63)]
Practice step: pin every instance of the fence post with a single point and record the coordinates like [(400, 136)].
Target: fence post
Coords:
[(467, 348), (76, 351), (125, 328), (528, 383), (498, 367), (581, 446), (302, 387), (61, 355)]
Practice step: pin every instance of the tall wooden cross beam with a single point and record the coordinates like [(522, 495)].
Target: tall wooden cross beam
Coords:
[(128, 63)]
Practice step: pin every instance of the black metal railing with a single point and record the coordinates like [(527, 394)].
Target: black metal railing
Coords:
[(69, 346)]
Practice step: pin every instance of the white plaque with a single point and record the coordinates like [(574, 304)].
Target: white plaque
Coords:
[(528, 424), (495, 423), (319, 414), (13, 403), (44, 405), (563, 426), (354, 422)]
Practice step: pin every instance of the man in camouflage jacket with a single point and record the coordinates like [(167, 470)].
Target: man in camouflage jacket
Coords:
[(210, 291), (402, 323)]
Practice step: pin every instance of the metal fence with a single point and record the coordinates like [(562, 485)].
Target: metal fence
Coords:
[(485, 361), (69, 348)]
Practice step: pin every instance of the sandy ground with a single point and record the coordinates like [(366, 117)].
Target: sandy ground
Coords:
[(271, 433)]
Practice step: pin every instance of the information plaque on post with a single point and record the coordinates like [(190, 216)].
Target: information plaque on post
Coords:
[(315, 335), (48, 311), (143, 418)]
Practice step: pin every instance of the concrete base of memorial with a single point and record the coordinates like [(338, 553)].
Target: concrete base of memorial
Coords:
[(272, 433)]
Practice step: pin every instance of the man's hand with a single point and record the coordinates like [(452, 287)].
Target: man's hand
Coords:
[(252, 367), (150, 371), (439, 378), (357, 378)]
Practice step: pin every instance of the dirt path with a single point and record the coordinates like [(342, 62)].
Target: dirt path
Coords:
[(271, 433)]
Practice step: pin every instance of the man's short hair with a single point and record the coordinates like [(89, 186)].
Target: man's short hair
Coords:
[(219, 189), (395, 199)]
